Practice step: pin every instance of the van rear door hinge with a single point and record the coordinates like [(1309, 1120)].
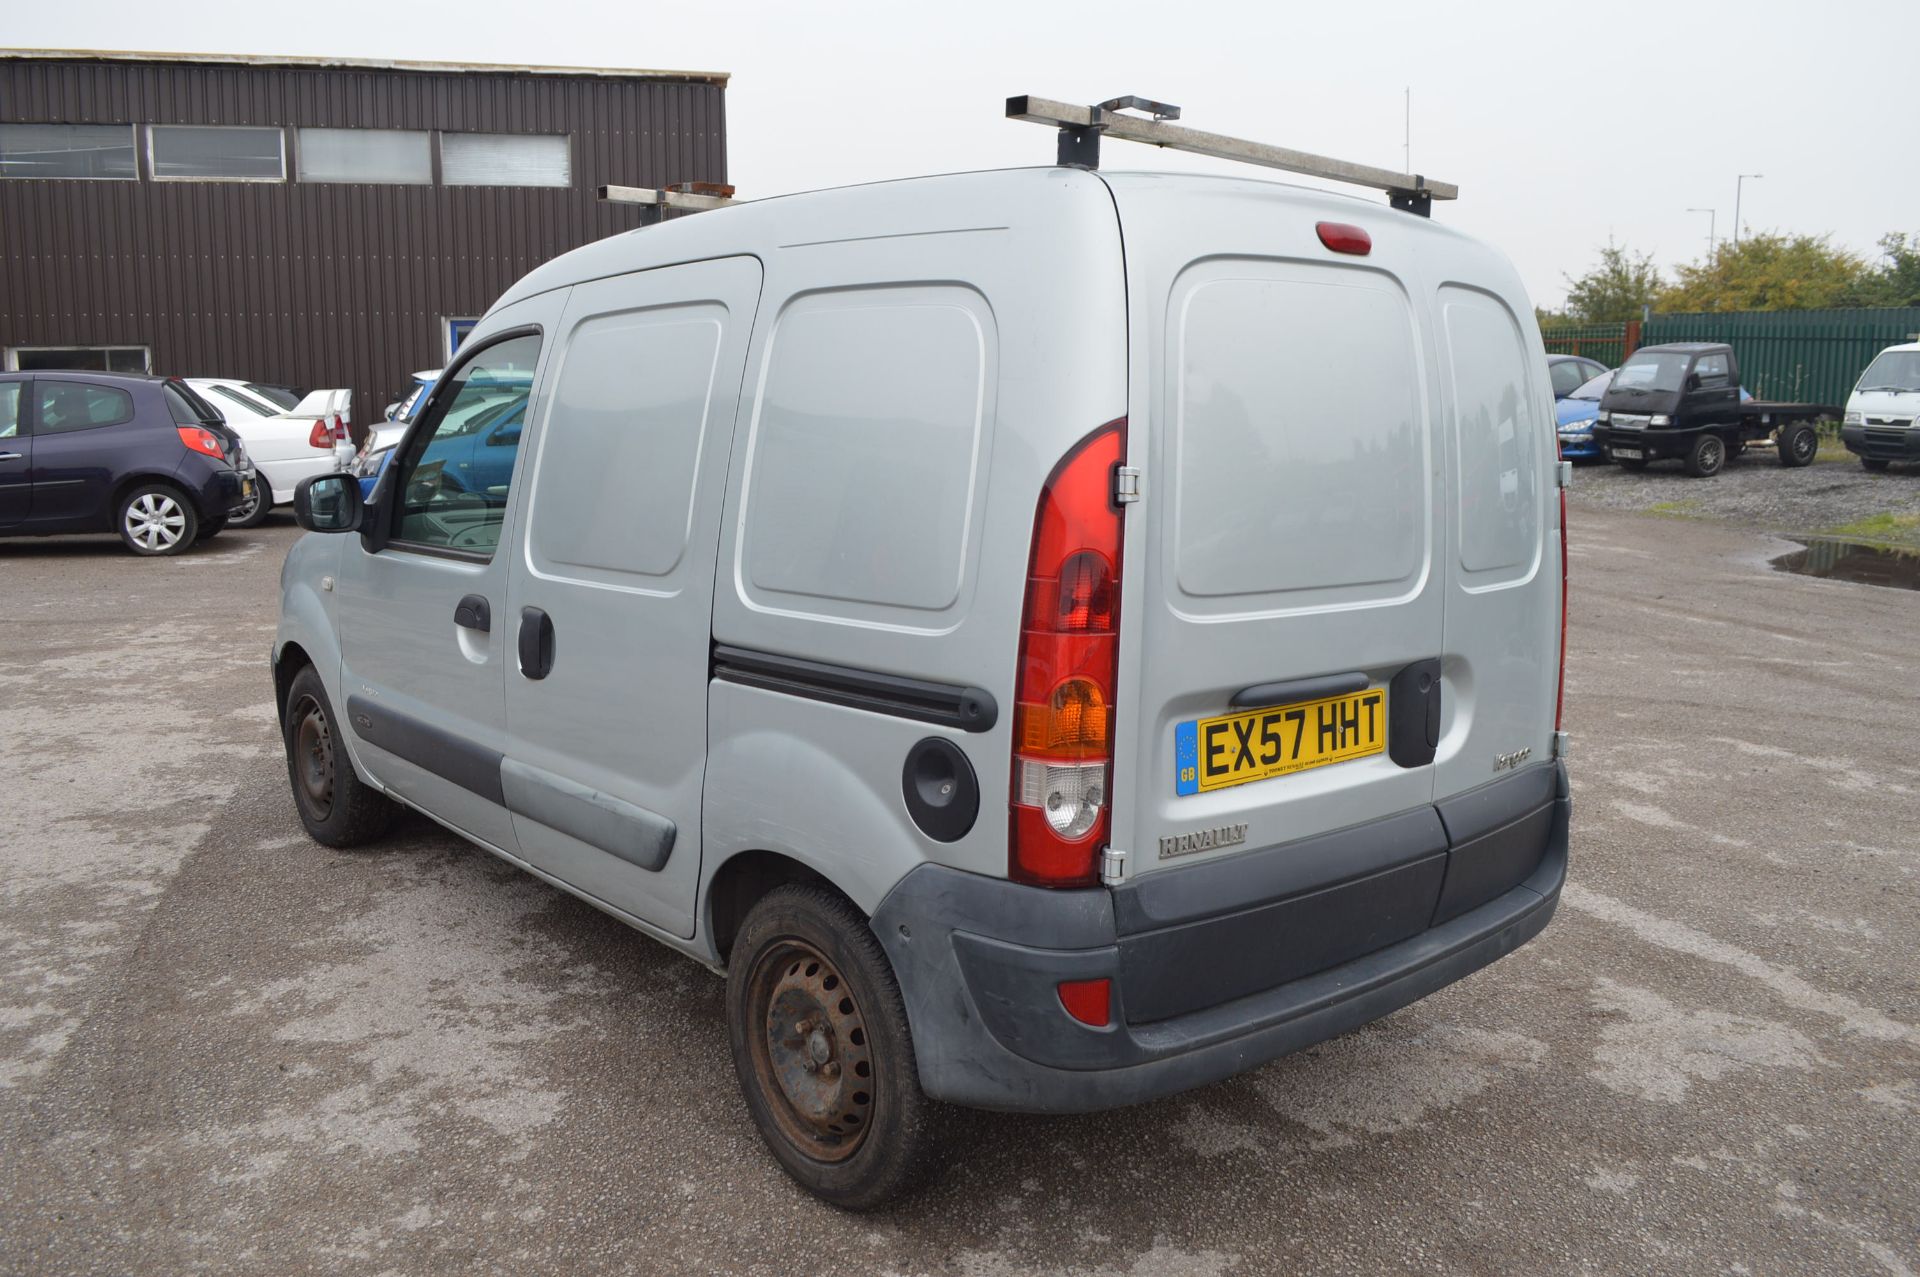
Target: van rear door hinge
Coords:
[(1126, 485), (1563, 474), (1113, 866)]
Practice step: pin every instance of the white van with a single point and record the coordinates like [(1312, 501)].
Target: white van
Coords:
[(1882, 424), (1053, 638)]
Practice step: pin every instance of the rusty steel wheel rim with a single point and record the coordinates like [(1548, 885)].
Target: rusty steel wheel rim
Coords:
[(313, 756), (810, 1051)]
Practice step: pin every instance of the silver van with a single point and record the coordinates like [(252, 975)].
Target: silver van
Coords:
[(1053, 638)]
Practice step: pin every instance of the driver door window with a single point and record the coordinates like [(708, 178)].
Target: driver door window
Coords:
[(1712, 370), (452, 487)]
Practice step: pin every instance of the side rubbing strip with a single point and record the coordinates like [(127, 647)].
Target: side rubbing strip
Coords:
[(617, 827), (450, 757), (971, 709)]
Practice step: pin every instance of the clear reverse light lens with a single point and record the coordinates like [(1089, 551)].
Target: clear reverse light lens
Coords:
[(1071, 794)]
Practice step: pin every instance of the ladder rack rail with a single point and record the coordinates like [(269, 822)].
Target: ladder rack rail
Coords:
[(1081, 127)]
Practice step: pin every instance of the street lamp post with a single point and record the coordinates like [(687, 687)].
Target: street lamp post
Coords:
[(1713, 216), (1738, 181)]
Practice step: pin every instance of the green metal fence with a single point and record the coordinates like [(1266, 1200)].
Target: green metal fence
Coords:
[(1606, 342), (1810, 355)]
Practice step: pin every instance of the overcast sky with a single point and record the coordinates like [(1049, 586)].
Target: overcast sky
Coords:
[(1562, 124)]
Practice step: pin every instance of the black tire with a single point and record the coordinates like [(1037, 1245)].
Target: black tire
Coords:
[(1877, 465), (1706, 455), (854, 1137), (336, 806), (252, 516), (1798, 446), (156, 519), (211, 528)]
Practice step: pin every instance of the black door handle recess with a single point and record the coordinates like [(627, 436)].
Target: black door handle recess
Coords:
[(473, 613), (536, 643), (1292, 692)]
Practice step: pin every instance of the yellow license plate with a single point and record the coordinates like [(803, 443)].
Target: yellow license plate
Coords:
[(1214, 753)]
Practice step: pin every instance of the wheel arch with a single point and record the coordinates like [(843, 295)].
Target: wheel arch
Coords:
[(744, 879)]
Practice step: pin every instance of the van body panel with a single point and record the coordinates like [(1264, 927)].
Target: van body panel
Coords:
[(625, 479), (904, 401)]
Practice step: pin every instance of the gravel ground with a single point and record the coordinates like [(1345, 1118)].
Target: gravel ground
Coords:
[(224, 1049), (1834, 495)]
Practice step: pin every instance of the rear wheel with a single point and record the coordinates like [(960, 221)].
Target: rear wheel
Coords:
[(252, 514), (1798, 445), (156, 519), (211, 528), (336, 806), (822, 1049), (1707, 455), (1875, 464)]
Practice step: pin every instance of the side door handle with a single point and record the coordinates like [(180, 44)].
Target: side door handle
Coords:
[(474, 613), (9, 456), (536, 643)]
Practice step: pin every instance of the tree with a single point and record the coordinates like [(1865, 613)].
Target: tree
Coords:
[(1771, 272), (1615, 290), (1897, 282)]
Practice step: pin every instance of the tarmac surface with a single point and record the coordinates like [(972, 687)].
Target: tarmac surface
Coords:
[(225, 1049)]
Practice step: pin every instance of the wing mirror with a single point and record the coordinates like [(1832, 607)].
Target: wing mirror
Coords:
[(329, 503)]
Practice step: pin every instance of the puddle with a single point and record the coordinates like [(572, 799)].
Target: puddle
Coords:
[(1849, 561)]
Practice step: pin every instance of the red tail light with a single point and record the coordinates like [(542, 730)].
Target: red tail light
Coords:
[(1560, 692), (339, 428), (321, 436), (1069, 663), (203, 441)]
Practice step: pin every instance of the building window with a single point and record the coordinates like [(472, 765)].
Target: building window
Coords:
[(505, 159), (390, 156), (456, 332), (80, 358), (180, 152), (83, 151)]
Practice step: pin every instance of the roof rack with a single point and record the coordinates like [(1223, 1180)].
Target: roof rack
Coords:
[(688, 197), (1081, 126)]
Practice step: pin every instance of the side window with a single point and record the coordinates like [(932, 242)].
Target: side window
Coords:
[(76, 405), (9, 409), (452, 486), (1712, 370), (1567, 376)]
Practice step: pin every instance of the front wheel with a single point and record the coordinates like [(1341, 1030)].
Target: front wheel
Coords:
[(1877, 465), (336, 806), (1798, 446), (822, 1049), (1706, 456), (156, 519)]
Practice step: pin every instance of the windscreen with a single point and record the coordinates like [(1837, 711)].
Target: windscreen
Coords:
[(1594, 388), (1653, 370), (1893, 370)]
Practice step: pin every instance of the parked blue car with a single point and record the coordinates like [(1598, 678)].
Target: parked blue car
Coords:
[(1575, 415), (472, 450)]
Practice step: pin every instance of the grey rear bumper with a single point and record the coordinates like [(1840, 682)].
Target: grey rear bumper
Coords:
[(979, 960)]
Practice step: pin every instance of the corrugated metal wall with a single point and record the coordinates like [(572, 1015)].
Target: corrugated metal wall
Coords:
[(1814, 356), (317, 284)]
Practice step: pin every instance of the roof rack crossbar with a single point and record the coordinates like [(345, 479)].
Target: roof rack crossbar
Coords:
[(1082, 126), (688, 197)]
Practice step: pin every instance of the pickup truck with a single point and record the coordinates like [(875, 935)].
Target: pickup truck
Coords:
[(1684, 400)]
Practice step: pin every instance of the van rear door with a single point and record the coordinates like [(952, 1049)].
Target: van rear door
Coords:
[(1282, 615)]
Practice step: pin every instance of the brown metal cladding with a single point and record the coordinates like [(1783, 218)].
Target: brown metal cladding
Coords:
[(318, 284)]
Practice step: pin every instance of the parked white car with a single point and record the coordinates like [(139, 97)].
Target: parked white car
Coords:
[(286, 446)]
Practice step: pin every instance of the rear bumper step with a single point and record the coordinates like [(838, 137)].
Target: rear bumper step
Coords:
[(1202, 989)]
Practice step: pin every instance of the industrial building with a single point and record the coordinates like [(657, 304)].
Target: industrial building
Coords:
[(304, 222)]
